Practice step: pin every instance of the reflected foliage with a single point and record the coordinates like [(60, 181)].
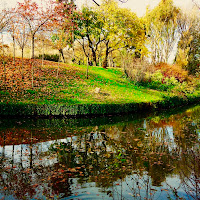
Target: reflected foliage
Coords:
[(133, 159)]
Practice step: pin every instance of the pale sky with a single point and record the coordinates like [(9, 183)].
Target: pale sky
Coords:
[(137, 6)]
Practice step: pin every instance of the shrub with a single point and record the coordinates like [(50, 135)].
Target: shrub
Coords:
[(160, 77), (175, 71), (139, 70), (157, 81), (157, 77), (171, 81), (183, 88), (53, 57)]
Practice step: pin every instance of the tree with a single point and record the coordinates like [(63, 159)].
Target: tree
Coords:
[(39, 17), (122, 29), (66, 1), (12, 26), (161, 28), (185, 24), (89, 32), (194, 49), (4, 20), (123, 1), (21, 36), (188, 54), (109, 28), (60, 40)]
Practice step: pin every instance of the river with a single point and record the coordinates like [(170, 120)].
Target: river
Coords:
[(149, 156)]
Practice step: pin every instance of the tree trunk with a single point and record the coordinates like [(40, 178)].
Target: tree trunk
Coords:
[(4, 63), (22, 63), (87, 68), (62, 54), (32, 73), (33, 46), (42, 53), (94, 56), (105, 61), (58, 67), (14, 50)]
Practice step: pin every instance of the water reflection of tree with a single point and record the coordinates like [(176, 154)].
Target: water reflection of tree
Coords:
[(150, 153), (187, 140), (158, 154), (106, 160), (190, 173), (107, 155)]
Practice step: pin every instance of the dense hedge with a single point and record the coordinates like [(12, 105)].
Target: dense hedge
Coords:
[(53, 57), (64, 110), (90, 109)]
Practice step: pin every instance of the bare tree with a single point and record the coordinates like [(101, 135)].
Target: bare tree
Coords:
[(37, 17), (22, 38), (12, 26)]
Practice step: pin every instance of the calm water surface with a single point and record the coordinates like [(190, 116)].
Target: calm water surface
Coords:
[(121, 157)]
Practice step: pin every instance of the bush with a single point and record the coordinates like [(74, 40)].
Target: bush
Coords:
[(160, 77), (157, 81), (138, 70), (53, 57), (175, 71), (171, 81), (157, 77)]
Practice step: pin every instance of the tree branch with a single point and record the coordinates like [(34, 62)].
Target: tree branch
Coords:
[(198, 6), (95, 2), (122, 1)]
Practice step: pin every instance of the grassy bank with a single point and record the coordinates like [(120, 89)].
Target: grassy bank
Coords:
[(60, 89)]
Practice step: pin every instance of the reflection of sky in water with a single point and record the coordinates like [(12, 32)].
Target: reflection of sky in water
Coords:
[(22, 152), (198, 132), (121, 189), (168, 136), (137, 186), (126, 189), (132, 187)]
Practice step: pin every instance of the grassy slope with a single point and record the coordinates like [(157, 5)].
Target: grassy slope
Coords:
[(71, 87)]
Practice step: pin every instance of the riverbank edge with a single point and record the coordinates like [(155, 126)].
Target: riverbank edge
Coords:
[(47, 110)]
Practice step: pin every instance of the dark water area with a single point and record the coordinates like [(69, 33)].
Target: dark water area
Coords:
[(146, 156)]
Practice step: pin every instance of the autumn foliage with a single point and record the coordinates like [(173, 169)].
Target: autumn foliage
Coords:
[(13, 78), (172, 71)]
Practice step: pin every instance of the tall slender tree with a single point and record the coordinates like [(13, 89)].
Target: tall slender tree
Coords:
[(21, 36), (11, 28), (162, 29)]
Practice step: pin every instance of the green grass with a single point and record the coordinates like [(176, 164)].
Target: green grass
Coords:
[(114, 88), (72, 88)]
